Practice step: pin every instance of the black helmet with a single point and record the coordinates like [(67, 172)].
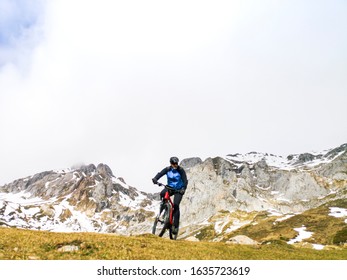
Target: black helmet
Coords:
[(174, 160)]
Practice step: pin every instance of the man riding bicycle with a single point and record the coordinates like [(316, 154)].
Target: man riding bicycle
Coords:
[(176, 179)]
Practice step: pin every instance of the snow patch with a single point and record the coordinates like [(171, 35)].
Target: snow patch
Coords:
[(281, 162), (236, 225), (22, 198), (284, 199), (338, 212), (117, 181), (303, 234), (274, 212), (318, 246), (286, 217)]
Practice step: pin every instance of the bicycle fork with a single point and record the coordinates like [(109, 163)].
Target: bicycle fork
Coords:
[(161, 209)]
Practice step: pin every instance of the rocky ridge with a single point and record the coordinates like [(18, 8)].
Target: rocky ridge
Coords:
[(87, 198), (224, 191), (224, 195)]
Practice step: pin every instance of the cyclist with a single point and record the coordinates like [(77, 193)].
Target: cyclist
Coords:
[(176, 179)]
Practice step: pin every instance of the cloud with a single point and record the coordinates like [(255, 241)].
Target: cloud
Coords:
[(20, 23), (131, 83)]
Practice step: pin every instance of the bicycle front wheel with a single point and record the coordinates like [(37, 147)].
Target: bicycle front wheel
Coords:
[(162, 221)]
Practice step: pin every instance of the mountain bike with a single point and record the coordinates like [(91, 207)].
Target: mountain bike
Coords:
[(164, 220)]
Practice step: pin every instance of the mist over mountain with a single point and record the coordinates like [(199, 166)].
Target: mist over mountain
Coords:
[(226, 198)]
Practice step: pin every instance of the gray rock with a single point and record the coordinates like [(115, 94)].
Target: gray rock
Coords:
[(334, 152), (104, 170), (68, 248), (306, 157), (190, 162), (88, 169)]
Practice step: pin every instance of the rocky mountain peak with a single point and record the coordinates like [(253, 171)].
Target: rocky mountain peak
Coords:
[(341, 150), (84, 198), (104, 170), (87, 169)]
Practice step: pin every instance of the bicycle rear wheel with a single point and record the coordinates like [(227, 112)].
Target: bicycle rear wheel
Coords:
[(162, 221)]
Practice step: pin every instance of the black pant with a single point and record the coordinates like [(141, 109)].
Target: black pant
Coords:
[(176, 201)]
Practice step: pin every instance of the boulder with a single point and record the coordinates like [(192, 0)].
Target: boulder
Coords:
[(242, 240)]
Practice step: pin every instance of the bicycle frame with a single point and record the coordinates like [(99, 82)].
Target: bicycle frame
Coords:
[(168, 198)]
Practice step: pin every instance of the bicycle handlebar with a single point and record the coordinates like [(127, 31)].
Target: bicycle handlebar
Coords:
[(166, 187)]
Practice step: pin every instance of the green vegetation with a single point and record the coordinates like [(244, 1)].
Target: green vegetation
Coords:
[(20, 244), (206, 233)]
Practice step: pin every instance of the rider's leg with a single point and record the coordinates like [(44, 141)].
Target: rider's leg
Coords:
[(162, 195), (176, 213)]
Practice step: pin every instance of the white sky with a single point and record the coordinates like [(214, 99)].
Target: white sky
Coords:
[(131, 83)]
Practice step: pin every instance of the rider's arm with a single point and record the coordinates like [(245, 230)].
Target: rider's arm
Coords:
[(161, 173)]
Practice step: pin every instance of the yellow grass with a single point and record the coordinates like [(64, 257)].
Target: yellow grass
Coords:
[(20, 244)]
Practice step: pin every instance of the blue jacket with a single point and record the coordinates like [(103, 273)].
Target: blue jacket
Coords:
[(176, 178)]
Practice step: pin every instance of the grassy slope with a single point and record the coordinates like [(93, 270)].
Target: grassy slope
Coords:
[(27, 244), (326, 229)]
